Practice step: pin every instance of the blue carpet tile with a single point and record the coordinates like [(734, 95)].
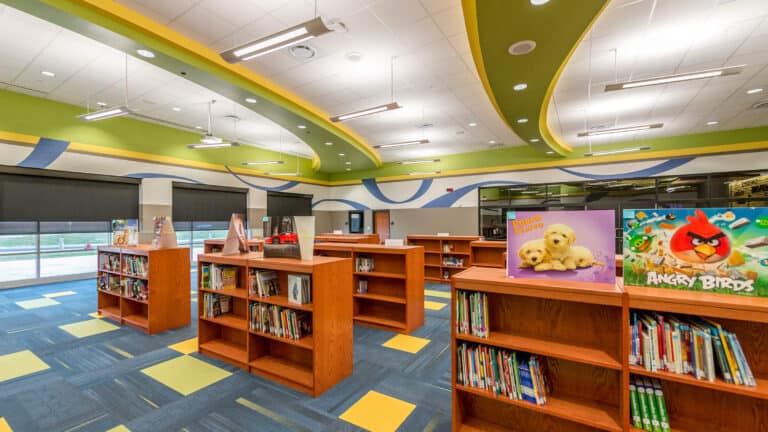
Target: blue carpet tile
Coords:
[(95, 383)]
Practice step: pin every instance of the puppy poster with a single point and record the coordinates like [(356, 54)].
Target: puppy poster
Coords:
[(571, 245), (722, 250)]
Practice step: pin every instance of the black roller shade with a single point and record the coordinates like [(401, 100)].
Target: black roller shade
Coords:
[(288, 204), (207, 203), (42, 195)]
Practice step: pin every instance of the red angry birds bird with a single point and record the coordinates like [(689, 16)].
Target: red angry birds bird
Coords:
[(700, 242)]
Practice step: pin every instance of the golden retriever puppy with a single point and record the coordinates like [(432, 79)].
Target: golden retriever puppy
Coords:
[(534, 254), (582, 256), (558, 239)]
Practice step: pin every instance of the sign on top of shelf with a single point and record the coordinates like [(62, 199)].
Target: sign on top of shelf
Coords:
[(723, 250), (125, 232), (571, 245)]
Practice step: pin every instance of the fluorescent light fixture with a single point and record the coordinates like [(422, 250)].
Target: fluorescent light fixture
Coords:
[(282, 39), (47, 73), (520, 87), (492, 142), (295, 174), (198, 127), (619, 130), (539, 2), (368, 111), (619, 151), (210, 139), (411, 162), (518, 189), (251, 100), (424, 172), (522, 120), (644, 187), (402, 143), (754, 90), (274, 162), (177, 109), (473, 124), (667, 79), (211, 145), (145, 53), (675, 188), (105, 114), (713, 123), (101, 104)]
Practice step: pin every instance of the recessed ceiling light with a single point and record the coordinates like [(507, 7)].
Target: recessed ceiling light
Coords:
[(145, 53), (522, 47), (550, 152), (354, 56), (620, 130), (539, 2), (198, 127), (47, 73), (667, 79), (101, 104), (492, 142), (754, 90), (251, 100), (713, 123), (177, 109), (349, 163), (301, 126), (349, 169), (534, 140), (520, 87), (473, 124), (341, 154), (329, 143), (522, 120)]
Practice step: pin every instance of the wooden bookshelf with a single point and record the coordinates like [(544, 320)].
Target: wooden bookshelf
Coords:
[(488, 253), (436, 251), (579, 329), (697, 405), (348, 238), (395, 297), (311, 364), (216, 245), (166, 278)]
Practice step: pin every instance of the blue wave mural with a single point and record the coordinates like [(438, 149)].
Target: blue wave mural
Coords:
[(280, 188), (46, 151), (647, 172), (354, 204), (372, 187), (158, 175), (450, 198)]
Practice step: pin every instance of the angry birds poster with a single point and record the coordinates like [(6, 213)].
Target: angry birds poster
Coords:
[(722, 250)]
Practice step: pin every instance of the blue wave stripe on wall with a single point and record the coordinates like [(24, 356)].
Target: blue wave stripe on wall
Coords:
[(450, 198), (372, 186), (45, 153), (647, 172), (158, 175), (280, 188), (354, 204)]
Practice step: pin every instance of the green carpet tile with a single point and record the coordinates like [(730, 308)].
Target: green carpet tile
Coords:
[(95, 383)]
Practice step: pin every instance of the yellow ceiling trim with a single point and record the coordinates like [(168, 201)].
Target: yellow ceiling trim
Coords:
[(316, 162), (19, 138), (154, 29), (546, 132), (469, 8)]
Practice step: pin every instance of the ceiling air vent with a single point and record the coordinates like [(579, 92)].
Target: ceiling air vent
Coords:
[(522, 47)]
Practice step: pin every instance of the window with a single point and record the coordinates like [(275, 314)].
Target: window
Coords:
[(18, 251)]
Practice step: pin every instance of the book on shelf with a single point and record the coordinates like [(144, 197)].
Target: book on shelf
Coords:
[(109, 282), (447, 247), (362, 286), (280, 321), (364, 264), (648, 407), (109, 262), (216, 305), (687, 345), (453, 261), (264, 283), (218, 277), (135, 288), (472, 313), (299, 289), (501, 372), (135, 265)]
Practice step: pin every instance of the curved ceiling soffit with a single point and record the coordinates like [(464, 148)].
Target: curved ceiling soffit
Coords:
[(557, 28), (126, 30)]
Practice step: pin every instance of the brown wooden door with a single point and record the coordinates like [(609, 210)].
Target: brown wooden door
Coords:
[(381, 224)]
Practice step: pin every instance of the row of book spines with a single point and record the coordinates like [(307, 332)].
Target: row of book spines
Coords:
[(218, 277), (694, 346), (517, 376), (216, 305), (135, 265), (648, 407), (472, 313), (279, 321), (136, 288), (364, 264), (110, 262)]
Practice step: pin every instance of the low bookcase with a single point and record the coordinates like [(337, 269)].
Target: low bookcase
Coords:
[(488, 253), (144, 288), (573, 327), (394, 297), (700, 405), (442, 253), (348, 238), (311, 364)]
